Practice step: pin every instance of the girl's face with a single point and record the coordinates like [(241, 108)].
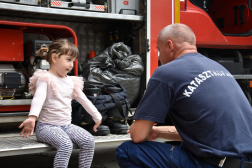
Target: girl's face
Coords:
[(63, 65)]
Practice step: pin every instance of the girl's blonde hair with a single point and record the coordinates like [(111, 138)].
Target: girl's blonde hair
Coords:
[(60, 47)]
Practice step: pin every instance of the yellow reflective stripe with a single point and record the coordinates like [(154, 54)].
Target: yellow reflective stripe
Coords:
[(177, 11)]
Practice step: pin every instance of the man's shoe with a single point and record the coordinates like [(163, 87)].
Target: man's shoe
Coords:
[(101, 129), (116, 126)]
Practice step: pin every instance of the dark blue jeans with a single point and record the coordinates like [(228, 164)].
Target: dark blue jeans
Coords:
[(151, 154)]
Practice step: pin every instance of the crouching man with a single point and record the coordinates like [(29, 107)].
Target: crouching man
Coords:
[(210, 112)]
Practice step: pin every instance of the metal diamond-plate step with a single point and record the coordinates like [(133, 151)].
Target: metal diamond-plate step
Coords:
[(17, 145), (112, 138)]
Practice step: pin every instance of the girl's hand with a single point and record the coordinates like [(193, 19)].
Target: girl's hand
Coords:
[(28, 126), (96, 125)]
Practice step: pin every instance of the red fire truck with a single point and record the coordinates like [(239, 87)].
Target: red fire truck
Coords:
[(223, 30)]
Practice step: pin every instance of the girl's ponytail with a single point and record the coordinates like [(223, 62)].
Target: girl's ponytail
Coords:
[(58, 47), (43, 52)]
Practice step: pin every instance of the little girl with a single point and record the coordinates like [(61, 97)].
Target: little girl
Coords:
[(53, 92)]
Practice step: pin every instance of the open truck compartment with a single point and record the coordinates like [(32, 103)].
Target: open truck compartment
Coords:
[(25, 27), (90, 34)]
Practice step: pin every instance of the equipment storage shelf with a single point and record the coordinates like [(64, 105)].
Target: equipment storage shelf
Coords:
[(89, 30), (8, 9)]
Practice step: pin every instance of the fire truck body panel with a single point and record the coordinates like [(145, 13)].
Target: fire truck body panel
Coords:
[(220, 39), (207, 33)]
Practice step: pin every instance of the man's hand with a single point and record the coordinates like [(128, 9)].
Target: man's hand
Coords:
[(28, 126), (96, 125), (153, 135)]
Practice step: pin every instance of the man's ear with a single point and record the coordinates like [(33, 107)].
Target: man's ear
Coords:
[(54, 58), (170, 44)]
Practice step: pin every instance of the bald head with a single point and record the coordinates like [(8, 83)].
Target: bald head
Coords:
[(178, 33)]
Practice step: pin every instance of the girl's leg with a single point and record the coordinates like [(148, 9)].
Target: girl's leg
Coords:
[(56, 137), (86, 143)]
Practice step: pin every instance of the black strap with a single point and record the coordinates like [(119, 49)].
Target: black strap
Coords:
[(118, 105), (128, 107), (112, 88), (117, 102), (229, 162)]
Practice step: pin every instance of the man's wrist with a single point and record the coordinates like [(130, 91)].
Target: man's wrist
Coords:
[(172, 130), (155, 129)]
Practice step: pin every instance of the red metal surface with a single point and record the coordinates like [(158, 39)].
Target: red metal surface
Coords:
[(183, 5), (199, 21), (161, 16), (55, 31), (12, 45), (207, 34), (14, 108), (225, 9)]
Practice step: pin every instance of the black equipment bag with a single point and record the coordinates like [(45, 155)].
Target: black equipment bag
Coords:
[(116, 64), (122, 109), (109, 99)]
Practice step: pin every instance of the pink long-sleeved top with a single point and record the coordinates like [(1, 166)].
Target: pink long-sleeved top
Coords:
[(53, 96)]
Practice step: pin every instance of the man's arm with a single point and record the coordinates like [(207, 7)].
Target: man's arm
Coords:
[(165, 132), (143, 130), (140, 129)]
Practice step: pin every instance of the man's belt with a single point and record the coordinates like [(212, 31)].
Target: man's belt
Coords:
[(227, 162)]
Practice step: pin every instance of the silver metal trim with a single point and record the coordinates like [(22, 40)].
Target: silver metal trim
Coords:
[(12, 119), (56, 11), (15, 102), (242, 76), (29, 2), (10, 114), (13, 144), (65, 6), (17, 145)]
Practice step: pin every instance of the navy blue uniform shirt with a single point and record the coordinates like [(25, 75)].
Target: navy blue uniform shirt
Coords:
[(205, 103)]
